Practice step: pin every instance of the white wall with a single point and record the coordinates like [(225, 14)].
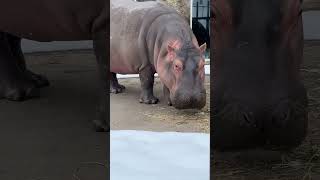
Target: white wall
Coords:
[(311, 25), (33, 46)]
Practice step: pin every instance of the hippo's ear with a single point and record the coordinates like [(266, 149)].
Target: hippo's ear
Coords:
[(203, 48)]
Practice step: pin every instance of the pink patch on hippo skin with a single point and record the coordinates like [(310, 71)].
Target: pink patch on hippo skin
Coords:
[(173, 45)]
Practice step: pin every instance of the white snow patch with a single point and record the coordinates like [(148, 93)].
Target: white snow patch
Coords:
[(144, 155)]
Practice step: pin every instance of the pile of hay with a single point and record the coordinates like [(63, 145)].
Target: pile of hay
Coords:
[(182, 7)]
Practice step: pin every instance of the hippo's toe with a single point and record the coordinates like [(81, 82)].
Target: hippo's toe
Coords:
[(117, 89), (100, 126), (148, 100), (19, 92), (39, 80)]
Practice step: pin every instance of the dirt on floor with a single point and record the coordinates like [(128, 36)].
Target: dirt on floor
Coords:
[(302, 163)]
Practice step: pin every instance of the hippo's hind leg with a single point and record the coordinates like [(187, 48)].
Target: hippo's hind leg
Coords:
[(147, 80), (15, 84), (15, 46), (115, 87), (102, 123)]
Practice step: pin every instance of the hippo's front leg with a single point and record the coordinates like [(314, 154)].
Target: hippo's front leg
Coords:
[(147, 80), (115, 87), (102, 123), (15, 45), (166, 93), (17, 83)]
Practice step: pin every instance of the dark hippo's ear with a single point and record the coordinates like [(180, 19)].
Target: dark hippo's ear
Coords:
[(203, 48)]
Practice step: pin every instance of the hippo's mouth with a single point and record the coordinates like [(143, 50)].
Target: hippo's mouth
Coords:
[(189, 101), (282, 127)]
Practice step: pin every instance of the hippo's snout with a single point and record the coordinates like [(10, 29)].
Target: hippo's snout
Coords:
[(237, 126), (189, 100)]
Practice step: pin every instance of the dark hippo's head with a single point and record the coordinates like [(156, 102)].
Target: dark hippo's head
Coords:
[(258, 97), (181, 70)]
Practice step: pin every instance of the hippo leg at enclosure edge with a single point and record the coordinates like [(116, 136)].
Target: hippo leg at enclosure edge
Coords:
[(147, 80), (101, 124), (115, 87), (15, 83), (166, 94)]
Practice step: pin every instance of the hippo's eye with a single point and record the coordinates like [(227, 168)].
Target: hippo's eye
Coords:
[(177, 67)]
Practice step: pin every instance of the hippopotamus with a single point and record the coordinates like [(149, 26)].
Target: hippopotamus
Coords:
[(258, 97), (44, 21), (148, 38)]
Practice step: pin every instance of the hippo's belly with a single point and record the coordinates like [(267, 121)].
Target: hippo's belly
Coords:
[(124, 59), (51, 20)]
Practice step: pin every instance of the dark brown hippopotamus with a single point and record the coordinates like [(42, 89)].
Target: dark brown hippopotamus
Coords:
[(150, 37), (258, 97), (49, 20)]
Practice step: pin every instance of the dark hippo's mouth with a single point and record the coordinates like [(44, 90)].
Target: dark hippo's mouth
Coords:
[(236, 127), (189, 100)]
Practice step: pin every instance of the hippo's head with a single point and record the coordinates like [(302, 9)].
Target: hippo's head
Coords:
[(181, 70), (258, 96)]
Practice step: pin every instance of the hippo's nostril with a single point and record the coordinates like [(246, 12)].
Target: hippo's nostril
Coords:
[(288, 124), (281, 117), (248, 120)]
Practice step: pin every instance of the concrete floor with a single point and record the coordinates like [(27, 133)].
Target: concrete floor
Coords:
[(51, 138)]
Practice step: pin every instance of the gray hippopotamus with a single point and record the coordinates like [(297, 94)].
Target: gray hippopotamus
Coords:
[(150, 37), (49, 20), (258, 97)]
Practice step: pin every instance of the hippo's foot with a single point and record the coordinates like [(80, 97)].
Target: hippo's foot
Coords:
[(22, 87), (117, 88), (100, 126), (148, 99), (18, 91), (38, 80)]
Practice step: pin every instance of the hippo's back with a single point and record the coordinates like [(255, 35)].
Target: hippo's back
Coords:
[(50, 20), (129, 25)]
